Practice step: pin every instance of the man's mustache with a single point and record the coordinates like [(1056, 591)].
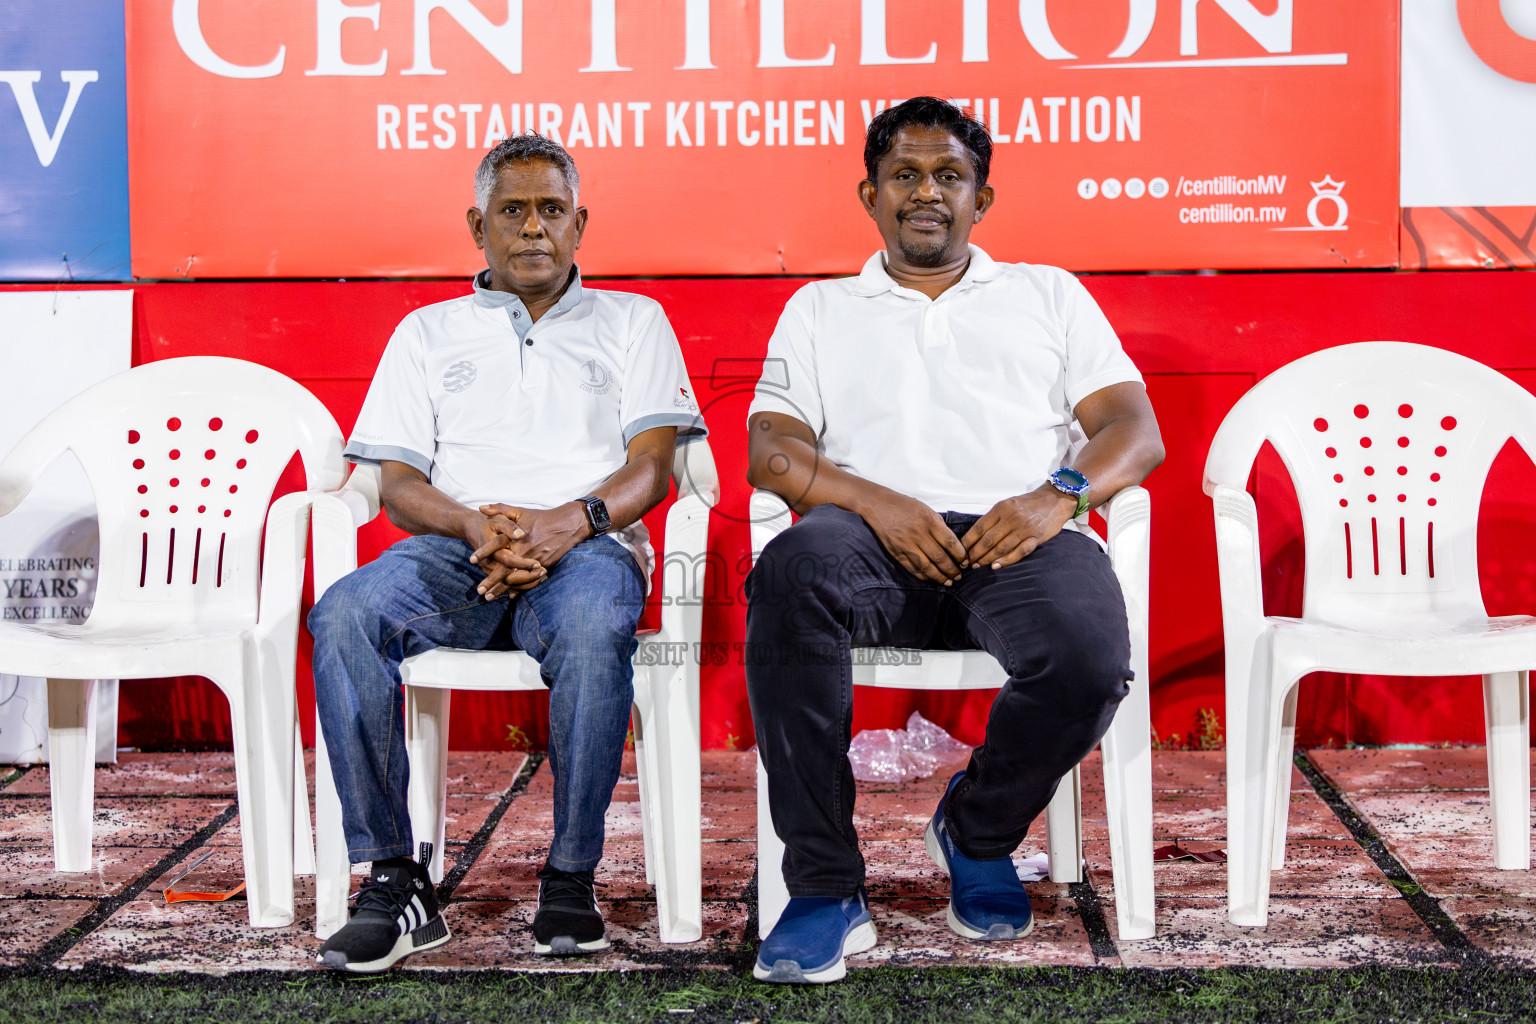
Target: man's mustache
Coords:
[(936, 214)]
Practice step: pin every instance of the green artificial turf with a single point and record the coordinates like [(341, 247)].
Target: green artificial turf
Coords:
[(872, 996)]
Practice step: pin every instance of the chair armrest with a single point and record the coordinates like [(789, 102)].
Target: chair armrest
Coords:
[(25, 464), (1128, 518), (338, 515), (1238, 563), (770, 516), (684, 569), (282, 564)]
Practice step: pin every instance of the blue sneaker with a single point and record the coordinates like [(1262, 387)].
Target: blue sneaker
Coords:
[(986, 899), (808, 944)]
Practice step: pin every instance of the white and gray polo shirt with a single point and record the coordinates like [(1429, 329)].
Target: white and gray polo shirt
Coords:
[(495, 408)]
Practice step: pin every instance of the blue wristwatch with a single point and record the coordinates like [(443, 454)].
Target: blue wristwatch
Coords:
[(1073, 484)]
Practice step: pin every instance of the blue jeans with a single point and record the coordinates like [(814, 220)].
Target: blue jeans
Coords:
[(579, 624)]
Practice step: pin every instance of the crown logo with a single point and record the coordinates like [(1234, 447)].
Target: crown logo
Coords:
[(1327, 187)]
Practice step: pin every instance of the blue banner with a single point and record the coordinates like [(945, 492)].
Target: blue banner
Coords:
[(63, 141)]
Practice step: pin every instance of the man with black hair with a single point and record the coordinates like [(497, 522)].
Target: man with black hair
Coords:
[(521, 432), (942, 423)]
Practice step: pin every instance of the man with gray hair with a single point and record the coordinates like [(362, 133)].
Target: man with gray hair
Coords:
[(521, 432)]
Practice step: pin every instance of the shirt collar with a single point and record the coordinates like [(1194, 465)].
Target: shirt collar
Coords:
[(875, 280), (488, 298)]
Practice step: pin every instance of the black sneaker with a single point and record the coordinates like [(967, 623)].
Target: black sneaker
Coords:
[(396, 915), (567, 922)]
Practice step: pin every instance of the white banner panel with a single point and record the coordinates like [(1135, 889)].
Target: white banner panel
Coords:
[(1469, 118), (53, 345)]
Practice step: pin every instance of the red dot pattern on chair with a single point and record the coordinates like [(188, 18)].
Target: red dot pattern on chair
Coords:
[(166, 542), (1381, 529)]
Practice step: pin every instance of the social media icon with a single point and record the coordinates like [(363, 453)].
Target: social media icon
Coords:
[(1157, 188), (1135, 188), (1087, 188), (1111, 188)]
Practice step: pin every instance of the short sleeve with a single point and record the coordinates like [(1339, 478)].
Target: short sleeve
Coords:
[(397, 422), (788, 384), (1094, 357), (657, 391)]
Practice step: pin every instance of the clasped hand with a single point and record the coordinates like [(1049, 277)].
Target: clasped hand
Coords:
[(918, 538), (516, 547)]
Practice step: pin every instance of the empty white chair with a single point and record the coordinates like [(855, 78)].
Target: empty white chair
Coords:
[(183, 456), (1388, 445), (666, 720), (1127, 747)]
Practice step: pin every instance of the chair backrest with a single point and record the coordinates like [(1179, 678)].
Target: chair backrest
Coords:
[(182, 456), (1388, 445)]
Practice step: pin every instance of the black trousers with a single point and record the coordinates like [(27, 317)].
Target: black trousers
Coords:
[(1055, 621)]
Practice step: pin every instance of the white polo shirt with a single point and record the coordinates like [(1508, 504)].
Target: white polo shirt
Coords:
[(959, 401), (495, 408)]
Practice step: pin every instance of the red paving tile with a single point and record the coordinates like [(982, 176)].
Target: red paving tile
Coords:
[(1450, 813), (506, 871), (497, 935), (200, 774), (1398, 771), (1301, 933), (1330, 907), (1313, 868), (29, 925), (1459, 866), (1503, 926), (118, 821), (28, 871), (147, 934), (914, 933)]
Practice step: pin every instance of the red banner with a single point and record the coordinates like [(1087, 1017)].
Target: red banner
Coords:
[(332, 139)]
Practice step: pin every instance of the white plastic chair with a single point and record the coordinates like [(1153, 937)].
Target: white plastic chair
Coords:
[(1388, 445), (1127, 747), (666, 720), (182, 456)]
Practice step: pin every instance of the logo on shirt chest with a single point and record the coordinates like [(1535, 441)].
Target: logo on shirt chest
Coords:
[(459, 376), (596, 378)]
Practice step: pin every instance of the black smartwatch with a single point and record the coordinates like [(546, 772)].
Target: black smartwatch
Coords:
[(597, 515)]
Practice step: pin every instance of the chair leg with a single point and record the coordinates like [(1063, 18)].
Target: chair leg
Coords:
[(426, 751), (1285, 752), (1064, 828), (667, 759), (1507, 715), (772, 893), (1127, 748), (1254, 714), (261, 723), (652, 842), (72, 770), (303, 833), (333, 868)]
